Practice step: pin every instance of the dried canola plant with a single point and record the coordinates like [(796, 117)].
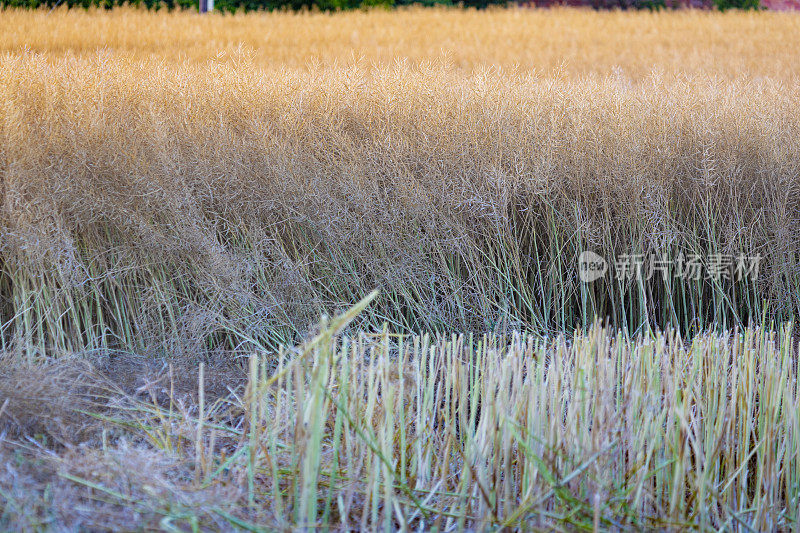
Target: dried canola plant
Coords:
[(226, 206)]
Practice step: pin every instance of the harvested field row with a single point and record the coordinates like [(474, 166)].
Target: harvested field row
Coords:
[(590, 431)]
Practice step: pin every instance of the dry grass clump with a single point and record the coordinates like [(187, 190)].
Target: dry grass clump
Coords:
[(201, 207), (131, 488), (380, 431), (45, 401)]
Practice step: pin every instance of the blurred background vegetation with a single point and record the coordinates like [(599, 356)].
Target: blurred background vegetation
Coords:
[(233, 6)]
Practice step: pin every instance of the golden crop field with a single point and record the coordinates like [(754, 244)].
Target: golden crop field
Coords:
[(565, 43), (191, 206)]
